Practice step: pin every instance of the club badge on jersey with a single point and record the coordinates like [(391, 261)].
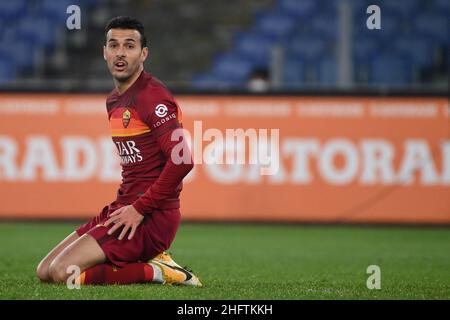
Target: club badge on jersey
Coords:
[(126, 117)]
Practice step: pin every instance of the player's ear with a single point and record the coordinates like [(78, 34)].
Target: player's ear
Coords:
[(104, 52), (144, 54)]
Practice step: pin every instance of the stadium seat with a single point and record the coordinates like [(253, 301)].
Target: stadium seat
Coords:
[(410, 32), (325, 24), (300, 9), (363, 50), (420, 50), (391, 25), (293, 72), (307, 46), (254, 45), (10, 11), (358, 6), (21, 53), (36, 30), (88, 3), (56, 10), (364, 47), (6, 68), (432, 25), (205, 81), (448, 56), (404, 8), (327, 71), (390, 69), (442, 6), (276, 25), (232, 67), (361, 71)]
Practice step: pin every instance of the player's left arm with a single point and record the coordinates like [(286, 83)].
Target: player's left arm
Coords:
[(179, 163), (164, 117)]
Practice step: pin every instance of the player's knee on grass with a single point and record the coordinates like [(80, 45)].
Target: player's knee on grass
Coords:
[(58, 271), (42, 271)]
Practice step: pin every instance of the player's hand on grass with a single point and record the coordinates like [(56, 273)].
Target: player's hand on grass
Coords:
[(126, 217)]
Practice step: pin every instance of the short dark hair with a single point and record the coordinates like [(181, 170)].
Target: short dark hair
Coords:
[(123, 22)]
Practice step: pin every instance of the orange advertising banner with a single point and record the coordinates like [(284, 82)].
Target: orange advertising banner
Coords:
[(268, 158)]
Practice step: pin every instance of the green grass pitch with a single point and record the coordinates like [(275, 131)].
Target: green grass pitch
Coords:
[(240, 261)]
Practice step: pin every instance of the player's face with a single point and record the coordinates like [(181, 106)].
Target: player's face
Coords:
[(123, 53)]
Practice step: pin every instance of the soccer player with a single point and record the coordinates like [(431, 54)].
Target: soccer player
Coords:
[(126, 242)]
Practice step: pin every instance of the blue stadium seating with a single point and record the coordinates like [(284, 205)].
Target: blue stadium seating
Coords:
[(410, 32), (405, 8), (206, 81), (325, 24), (432, 25), (233, 67), (364, 47), (254, 45), (36, 30), (6, 70), (21, 54), (276, 25), (361, 72), (442, 6), (88, 3), (12, 10), (390, 69), (55, 10), (327, 71), (300, 9), (358, 5), (29, 26), (293, 71), (308, 47), (422, 52), (391, 25)]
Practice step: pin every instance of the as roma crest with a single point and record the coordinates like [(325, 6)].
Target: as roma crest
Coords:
[(126, 116)]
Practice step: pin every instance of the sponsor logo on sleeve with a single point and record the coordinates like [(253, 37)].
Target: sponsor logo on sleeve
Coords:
[(161, 110)]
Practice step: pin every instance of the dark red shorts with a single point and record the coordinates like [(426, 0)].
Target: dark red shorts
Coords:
[(153, 236)]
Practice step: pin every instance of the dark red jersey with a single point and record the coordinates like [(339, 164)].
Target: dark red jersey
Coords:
[(142, 120)]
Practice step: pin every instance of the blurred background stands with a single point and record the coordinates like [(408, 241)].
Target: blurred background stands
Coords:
[(213, 44)]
